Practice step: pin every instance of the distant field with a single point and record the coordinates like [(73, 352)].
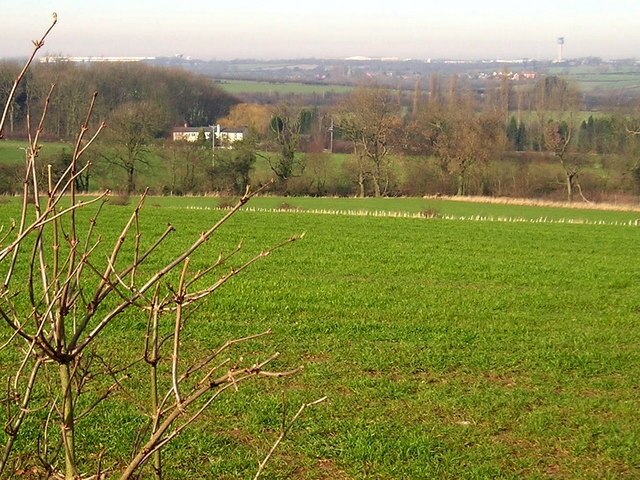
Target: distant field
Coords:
[(12, 151), (609, 81), (447, 348), (273, 88), (598, 78)]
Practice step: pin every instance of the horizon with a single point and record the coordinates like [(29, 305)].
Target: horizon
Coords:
[(356, 58), (461, 30)]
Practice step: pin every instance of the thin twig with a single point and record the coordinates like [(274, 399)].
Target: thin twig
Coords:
[(37, 45), (175, 357), (164, 271), (283, 434)]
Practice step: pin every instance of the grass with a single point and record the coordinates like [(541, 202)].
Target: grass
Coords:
[(238, 87), (448, 349), (599, 78), (11, 151), (443, 207)]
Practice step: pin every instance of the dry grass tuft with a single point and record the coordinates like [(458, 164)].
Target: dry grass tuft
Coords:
[(619, 207)]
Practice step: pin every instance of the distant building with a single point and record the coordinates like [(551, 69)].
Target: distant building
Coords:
[(66, 59), (224, 137), (189, 134)]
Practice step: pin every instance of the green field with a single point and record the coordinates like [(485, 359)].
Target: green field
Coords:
[(239, 87), (447, 348), (12, 151), (601, 78)]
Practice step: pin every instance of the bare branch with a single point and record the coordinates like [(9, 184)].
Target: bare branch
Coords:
[(37, 45), (162, 272), (13, 425), (9, 232), (225, 278), (229, 343), (176, 332), (283, 434), (158, 439), (42, 220)]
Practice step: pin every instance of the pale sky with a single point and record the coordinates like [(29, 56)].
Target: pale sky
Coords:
[(421, 29)]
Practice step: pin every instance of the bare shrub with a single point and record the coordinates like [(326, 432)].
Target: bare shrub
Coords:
[(60, 293)]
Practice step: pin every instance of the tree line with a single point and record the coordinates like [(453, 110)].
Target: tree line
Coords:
[(446, 137), (177, 96), (533, 141)]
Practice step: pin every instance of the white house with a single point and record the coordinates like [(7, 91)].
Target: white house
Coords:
[(224, 137)]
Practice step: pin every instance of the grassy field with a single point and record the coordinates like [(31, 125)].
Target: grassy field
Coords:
[(598, 78), (452, 209), (12, 151), (447, 348), (238, 87)]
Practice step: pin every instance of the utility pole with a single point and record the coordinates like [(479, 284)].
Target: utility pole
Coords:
[(331, 137), (213, 144)]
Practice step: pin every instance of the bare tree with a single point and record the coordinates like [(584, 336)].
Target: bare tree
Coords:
[(132, 128), (58, 296), (556, 101), (558, 138), (8, 73), (459, 137), (369, 119)]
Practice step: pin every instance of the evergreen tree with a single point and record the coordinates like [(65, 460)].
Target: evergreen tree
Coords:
[(521, 137), (512, 133)]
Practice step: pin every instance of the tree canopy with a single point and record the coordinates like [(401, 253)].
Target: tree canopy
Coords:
[(185, 97)]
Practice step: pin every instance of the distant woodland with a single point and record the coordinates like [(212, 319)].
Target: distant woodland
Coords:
[(535, 139), (177, 95)]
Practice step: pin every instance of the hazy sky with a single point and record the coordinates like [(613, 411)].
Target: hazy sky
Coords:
[(462, 29)]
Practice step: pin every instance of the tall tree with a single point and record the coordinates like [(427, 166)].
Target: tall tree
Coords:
[(417, 97), (559, 140), (460, 138), (285, 133), (555, 94), (434, 89), (233, 166), (369, 118), (131, 129), (8, 73), (254, 116), (556, 102), (512, 133)]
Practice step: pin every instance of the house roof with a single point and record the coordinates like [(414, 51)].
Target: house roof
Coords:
[(208, 129), (189, 129)]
